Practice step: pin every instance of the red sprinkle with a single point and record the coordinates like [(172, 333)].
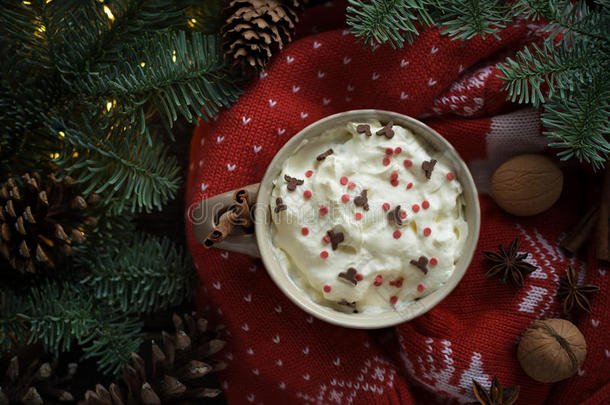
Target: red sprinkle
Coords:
[(359, 277), (393, 299), (450, 176), (345, 198), (385, 206), (397, 234), (324, 254), (326, 239), (425, 204), (351, 185), (394, 175), (327, 288), (415, 208), (409, 185), (358, 216), (386, 161), (398, 150), (420, 287), (394, 182), (343, 180), (305, 231), (433, 261), (403, 214), (307, 194), (397, 283), (378, 280), (408, 163), (427, 231), (389, 151), (308, 173), (323, 210)]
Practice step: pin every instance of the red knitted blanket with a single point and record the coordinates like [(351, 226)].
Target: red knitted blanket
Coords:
[(277, 353)]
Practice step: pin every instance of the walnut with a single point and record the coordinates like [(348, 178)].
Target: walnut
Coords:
[(552, 350)]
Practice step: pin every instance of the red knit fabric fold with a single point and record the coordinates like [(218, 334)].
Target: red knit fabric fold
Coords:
[(277, 353)]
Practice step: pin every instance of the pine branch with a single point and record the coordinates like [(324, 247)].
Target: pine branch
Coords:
[(466, 19), (579, 123), (558, 67), (13, 332), (176, 73), (119, 165), (144, 275), (60, 315), (393, 21)]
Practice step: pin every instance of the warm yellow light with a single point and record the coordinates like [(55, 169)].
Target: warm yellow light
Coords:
[(27, 3), (194, 20), (54, 155), (62, 133), (174, 56), (42, 28), (108, 13), (75, 155), (109, 105), (143, 64), (48, 1)]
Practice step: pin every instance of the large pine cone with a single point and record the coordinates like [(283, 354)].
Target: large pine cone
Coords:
[(35, 384), (39, 218), (256, 29), (178, 373)]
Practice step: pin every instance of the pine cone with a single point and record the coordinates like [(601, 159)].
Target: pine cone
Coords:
[(256, 29), (35, 384), (40, 218), (177, 375)]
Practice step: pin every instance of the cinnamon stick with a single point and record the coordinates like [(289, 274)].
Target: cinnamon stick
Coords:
[(241, 199), (221, 230), (579, 235), (601, 247)]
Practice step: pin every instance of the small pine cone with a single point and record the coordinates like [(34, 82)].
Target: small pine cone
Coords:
[(39, 219), (179, 370), (35, 383), (256, 29)]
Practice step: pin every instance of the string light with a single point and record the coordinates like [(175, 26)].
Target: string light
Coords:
[(143, 64), (42, 28), (108, 13), (174, 56), (109, 106), (26, 3), (54, 155), (62, 133)]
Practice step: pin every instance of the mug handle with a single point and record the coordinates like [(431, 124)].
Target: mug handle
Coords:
[(205, 216)]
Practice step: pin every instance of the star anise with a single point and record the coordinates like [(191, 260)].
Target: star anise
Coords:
[(575, 294), (509, 263), (497, 395)]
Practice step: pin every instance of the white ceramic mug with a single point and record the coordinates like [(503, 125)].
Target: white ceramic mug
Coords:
[(259, 243)]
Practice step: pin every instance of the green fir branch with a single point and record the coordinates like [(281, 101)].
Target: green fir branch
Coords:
[(393, 21), (560, 68), (177, 74), (466, 19), (579, 124), (61, 315), (143, 275), (119, 165)]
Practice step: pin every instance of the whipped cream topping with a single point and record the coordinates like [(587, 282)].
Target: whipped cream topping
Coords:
[(367, 223)]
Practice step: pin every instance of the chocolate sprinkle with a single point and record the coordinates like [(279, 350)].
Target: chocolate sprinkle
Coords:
[(428, 166), (421, 263), (335, 238), (324, 155), (293, 182), (362, 200), (349, 276), (387, 130), (394, 216), (279, 205), (364, 129)]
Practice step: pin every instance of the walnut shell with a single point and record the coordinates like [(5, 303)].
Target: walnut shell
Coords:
[(526, 185), (551, 350)]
